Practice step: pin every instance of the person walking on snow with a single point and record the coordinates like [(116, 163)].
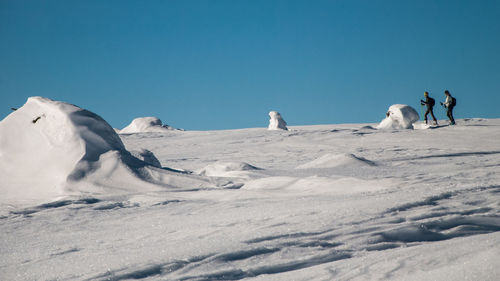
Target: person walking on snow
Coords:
[(429, 102), (449, 104)]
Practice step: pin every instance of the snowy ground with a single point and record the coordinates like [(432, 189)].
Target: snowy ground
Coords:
[(329, 202)]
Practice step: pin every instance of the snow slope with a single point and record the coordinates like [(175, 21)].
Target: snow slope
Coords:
[(329, 202)]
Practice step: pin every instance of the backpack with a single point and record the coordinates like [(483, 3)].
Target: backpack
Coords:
[(453, 101), (432, 102)]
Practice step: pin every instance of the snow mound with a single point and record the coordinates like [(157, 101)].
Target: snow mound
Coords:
[(399, 116), (146, 125), (276, 122), (336, 160), (228, 169), (51, 149), (45, 143)]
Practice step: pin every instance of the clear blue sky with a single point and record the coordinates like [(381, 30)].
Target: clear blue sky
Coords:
[(218, 64)]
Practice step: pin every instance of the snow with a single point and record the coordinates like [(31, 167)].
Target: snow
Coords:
[(45, 143), (51, 149), (276, 122), (145, 125), (324, 202), (147, 156), (399, 116), (336, 160), (228, 169)]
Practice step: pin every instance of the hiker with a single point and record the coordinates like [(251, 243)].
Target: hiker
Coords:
[(449, 104), (429, 102)]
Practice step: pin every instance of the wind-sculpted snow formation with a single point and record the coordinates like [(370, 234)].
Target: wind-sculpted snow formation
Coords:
[(399, 116), (146, 125), (51, 149), (276, 122)]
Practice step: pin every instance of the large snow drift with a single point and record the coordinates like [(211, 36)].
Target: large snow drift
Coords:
[(146, 125), (399, 116), (44, 143), (50, 149)]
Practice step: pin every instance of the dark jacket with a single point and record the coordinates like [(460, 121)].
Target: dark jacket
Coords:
[(429, 102)]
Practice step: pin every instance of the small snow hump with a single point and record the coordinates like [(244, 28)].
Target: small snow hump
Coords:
[(399, 116), (228, 169), (336, 160), (146, 125), (276, 122)]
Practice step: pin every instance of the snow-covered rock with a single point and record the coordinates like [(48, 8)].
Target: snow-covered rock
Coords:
[(399, 116), (146, 125), (276, 122)]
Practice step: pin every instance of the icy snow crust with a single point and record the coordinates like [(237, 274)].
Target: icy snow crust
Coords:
[(400, 116), (330, 202)]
